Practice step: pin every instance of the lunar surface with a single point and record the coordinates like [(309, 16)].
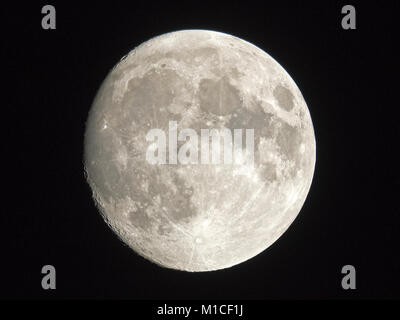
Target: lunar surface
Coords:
[(198, 216)]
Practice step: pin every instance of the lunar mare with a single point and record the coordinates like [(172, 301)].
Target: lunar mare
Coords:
[(199, 217)]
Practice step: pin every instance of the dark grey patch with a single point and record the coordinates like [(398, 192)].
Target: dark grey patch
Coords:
[(284, 97), (247, 119), (218, 97), (289, 139), (146, 99)]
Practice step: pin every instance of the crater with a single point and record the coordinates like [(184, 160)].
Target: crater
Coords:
[(284, 97)]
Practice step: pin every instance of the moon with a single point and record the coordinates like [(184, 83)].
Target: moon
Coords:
[(195, 216)]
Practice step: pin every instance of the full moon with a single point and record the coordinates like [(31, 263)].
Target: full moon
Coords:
[(182, 210)]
